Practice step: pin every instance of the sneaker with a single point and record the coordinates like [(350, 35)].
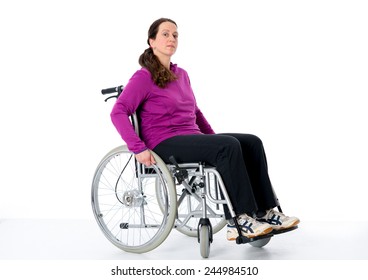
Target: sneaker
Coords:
[(249, 227), (278, 221)]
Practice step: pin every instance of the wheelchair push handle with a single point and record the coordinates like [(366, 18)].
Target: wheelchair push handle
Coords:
[(118, 89), (112, 90)]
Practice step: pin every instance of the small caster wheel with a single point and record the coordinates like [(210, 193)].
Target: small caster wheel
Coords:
[(205, 242)]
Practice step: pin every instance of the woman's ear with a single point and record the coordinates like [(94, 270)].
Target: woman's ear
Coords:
[(152, 43)]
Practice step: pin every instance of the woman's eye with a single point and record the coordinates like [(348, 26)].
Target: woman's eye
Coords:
[(167, 35)]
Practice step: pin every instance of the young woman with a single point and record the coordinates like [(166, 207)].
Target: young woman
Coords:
[(172, 124)]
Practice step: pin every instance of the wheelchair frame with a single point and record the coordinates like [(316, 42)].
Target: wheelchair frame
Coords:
[(136, 207)]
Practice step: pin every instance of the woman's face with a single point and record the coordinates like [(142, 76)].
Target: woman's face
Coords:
[(166, 40)]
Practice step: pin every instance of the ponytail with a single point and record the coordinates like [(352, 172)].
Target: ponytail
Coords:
[(161, 76)]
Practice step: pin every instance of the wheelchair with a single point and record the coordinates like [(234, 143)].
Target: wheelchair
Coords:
[(136, 207)]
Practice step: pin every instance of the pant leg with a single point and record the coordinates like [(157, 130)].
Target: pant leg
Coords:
[(256, 164), (222, 151)]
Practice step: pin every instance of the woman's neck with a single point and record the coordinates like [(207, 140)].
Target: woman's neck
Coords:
[(165, 61)]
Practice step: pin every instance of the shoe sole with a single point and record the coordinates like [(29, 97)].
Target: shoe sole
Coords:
[(267, 231)]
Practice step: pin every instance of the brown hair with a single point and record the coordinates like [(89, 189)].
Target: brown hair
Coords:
[(160, 74)]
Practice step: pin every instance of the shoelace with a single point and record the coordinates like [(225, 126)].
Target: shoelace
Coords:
[(274, 218), (254, 222), (272, 212)]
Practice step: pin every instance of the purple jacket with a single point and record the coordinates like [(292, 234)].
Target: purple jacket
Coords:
[(163, 113)]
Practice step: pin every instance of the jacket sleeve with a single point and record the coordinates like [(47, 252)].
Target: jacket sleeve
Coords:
[(202, 122), (134, 93)]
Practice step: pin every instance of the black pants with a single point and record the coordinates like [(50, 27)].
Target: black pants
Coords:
[(239, 158)]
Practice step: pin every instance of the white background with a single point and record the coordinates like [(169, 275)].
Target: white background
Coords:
[(292, 72)]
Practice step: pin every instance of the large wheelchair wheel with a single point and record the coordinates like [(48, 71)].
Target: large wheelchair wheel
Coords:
[(125, 202)]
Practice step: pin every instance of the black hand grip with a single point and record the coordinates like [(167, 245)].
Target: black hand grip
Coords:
[(109, 90), (112, 90)]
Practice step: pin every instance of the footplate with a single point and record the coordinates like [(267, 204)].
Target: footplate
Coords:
[(243, 240)]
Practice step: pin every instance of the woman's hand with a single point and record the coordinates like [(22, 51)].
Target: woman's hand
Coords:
[(145, 158)]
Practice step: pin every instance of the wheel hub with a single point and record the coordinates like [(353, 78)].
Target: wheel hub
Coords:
[(133, 198)]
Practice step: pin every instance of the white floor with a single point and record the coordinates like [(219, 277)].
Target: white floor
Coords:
[(83, 240)]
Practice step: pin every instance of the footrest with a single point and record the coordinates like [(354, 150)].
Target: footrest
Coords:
[(284, 230), (244, 240)]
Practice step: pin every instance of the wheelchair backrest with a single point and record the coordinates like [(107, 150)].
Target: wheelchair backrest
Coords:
[(135, 123)]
